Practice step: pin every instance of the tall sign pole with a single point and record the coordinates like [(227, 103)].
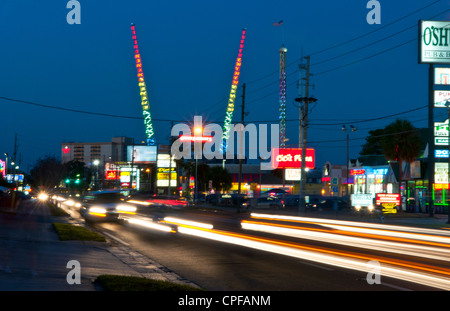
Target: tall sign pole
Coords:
[(434, 49)]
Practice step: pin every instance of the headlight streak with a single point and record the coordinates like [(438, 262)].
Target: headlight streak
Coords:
[(149, 224), (343, 239), (178, 221), (432, 277), (126, 209), (442, 234)]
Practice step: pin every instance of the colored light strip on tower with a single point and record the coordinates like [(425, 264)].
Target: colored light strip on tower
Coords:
[(282, 107), (149, 132), (234, 84)]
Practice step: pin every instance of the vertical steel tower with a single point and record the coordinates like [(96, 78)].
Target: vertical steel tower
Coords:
[(149, 132), (232, 97), (282, 105)]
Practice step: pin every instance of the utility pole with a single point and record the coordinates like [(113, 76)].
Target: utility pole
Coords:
[(303, 133), (241, 146), (170, 164)]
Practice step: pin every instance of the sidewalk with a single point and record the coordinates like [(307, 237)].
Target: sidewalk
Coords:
[(32, 258)]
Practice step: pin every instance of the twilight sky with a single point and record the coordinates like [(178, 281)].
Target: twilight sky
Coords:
[(188, 49)]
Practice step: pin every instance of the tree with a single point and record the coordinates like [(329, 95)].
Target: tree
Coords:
[(373, 143), (47, 172), (221, 178), (401, 142)]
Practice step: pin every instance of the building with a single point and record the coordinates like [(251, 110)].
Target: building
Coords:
[(115, 151)]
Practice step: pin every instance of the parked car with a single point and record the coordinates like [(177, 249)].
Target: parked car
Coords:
[(104, 206), (330, 203)]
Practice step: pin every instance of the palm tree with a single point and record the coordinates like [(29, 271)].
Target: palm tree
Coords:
[(401, 143)]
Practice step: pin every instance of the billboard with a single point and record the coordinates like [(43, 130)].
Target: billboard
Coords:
[(434, 42), (292, 158), (141, 154)]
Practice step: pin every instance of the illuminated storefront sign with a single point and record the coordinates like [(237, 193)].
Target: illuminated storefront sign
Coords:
[(442, 76), (292, 158), (357, 172), (441, 98), (434, 42), (387, 198)]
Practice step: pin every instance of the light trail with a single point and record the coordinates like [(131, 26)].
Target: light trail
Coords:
[(417, 273), (420, 232), (341, 238)]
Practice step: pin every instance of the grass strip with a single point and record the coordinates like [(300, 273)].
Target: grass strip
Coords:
[(68, 232), (132, 283)]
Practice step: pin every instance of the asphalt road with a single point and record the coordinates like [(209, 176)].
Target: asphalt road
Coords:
[(221, 266)]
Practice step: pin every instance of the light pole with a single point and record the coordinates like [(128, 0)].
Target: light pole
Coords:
[(198, 131), (96, 163), (353, 129)]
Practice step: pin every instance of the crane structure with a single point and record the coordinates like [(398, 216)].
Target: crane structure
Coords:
[(149, 131), (282, 103), (232, 96)]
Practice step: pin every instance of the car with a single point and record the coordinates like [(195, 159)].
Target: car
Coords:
[(332, 203), (270, 202), (104, 206)]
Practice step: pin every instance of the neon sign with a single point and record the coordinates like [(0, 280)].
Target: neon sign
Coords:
[(234, 84), (357, 172), (203, 139), (149, 132)]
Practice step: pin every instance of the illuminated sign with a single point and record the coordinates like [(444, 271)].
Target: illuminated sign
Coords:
[(441, 98), (441, 129), (111, 175), (357, 172), (362, 199), (141, 154), (434, 42), (387, 198), (441, 153), (203, 139), (292, 174), (143, 92), (442, 76), (440, 186), (292, 158), (234, 84), (163, 161), (66, 149), (2, 168), (441, 173)]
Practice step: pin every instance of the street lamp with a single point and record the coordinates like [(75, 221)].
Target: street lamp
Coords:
[(344, 129), (96, 163)]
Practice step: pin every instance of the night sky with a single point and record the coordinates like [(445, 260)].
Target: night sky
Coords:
[(188, 50)]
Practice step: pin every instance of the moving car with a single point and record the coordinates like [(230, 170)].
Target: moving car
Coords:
[(104, 206), (270, 202)]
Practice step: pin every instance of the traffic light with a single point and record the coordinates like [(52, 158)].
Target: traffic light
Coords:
[(67, 181)]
